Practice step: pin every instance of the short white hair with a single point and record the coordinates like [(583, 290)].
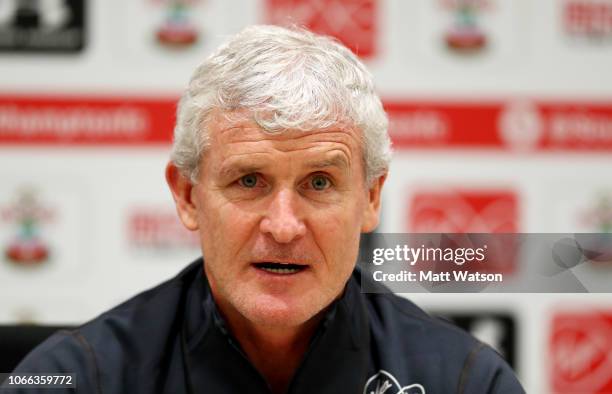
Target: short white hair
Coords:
[(286, 79)]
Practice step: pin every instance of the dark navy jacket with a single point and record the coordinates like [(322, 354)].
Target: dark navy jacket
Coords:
[(171, 339)]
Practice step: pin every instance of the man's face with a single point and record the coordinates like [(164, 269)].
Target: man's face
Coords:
[(279, 217)]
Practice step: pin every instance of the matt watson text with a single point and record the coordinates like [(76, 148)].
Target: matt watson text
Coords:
[(432, 276)]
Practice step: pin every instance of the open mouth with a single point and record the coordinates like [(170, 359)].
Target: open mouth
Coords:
[(280, 268)]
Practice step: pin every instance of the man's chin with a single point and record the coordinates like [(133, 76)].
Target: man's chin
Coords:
[(280, 312)]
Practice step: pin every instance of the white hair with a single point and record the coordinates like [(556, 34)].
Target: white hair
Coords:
[(287, 79)]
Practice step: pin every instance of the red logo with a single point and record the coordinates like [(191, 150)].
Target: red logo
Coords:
[(588, 18), (158, 229), (464, 211), (353, 22), (581, 360), (471, 211)]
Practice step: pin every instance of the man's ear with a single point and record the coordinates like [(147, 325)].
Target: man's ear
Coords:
[(181, 189), (371, 215)]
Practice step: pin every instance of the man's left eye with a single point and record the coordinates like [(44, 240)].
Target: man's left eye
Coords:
[(320, 182), (248, 181)]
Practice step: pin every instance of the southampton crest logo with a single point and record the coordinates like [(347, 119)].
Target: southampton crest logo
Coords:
[(465, 35), (178, 29), (383, 382), (28, 246)]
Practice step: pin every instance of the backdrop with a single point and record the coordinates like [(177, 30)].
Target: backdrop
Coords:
[(501, 117)]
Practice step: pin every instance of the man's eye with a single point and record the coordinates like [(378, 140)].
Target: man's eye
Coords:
[(319, 182), (249, 180)]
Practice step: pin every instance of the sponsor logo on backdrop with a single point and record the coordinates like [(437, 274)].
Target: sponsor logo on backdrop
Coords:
[(465, 35), (353, 22), (520, 125), (177, 29), (42, 26), (589, 20), (159, 230), (581, 360), (469, 211), (419, 125), (26, 216), (516, 125), (580, 126), (497, 330), (557, 125), (86, 120), (464, 211)]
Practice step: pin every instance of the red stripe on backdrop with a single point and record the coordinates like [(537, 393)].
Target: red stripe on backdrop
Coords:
[(75, 120), (522, 125)]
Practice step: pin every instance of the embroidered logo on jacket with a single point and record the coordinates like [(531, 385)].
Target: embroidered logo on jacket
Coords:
[(383, 382)]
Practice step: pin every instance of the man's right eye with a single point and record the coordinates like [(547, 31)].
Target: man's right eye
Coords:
[(249, 180)]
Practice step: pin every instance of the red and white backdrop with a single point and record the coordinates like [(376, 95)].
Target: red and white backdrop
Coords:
[(501, 118)]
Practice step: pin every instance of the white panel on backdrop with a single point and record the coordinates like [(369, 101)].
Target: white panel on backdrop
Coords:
[(502, 121)]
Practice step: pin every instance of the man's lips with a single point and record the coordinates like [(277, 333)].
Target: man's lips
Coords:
[(280, 268)]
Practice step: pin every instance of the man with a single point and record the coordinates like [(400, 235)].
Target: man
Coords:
[(280, 154)]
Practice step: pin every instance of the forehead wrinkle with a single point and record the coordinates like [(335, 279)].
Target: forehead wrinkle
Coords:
[(346, 141), (243, 124), (241, 133), (335, 135), (343, 140), (287, 143), (244, 129)]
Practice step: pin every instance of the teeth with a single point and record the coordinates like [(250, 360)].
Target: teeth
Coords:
[(281, 270)]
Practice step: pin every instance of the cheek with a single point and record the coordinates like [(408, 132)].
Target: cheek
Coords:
[(345, 218), (337, 233), (223, 228)]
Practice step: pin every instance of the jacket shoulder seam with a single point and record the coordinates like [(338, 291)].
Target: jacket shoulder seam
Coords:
[(467, 365), (91, 354)]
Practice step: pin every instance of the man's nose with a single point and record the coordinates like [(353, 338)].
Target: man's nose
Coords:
[(283, 221)]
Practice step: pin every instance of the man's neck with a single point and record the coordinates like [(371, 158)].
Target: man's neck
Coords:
[(276, 355), (275, 352)]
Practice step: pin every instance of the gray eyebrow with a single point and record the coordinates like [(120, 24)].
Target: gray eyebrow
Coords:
[(335, 161), (234, 170)]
